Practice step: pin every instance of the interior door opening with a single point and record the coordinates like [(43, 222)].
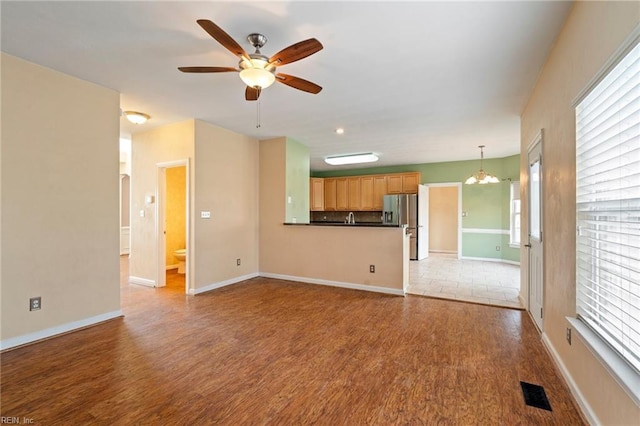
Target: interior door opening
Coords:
[(445, 211), (173, 254)]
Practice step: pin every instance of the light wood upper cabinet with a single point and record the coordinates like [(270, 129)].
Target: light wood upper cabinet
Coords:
[(342, 194), (316, 194), (410, 182), (330, 194), (354, 193), (360, 193), (379, 191), (394, 184), (366, 193), (403, 183)]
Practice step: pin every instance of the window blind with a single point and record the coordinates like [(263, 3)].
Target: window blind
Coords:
[(608, 208)]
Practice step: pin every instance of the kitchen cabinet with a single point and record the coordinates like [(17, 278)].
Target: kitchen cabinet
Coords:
[(330, 194), (403, 183), (379, 191), (410, 182), (355, 193), (394, 184), (366, 193), (342, 194), (316, 197), (359, 193)]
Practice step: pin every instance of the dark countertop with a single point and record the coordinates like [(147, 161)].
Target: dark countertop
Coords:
[(357, 224)]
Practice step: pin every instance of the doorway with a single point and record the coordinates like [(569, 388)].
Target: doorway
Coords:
[(535, 277), (173, 224), (445, 211)]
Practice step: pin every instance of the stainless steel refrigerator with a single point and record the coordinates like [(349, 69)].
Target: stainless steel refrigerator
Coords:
[(402, 209)]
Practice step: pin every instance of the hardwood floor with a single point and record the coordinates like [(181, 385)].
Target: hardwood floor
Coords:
[(278, 352)]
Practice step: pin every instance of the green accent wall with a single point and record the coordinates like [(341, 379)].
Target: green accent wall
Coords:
[(486, 206), (297, 182)]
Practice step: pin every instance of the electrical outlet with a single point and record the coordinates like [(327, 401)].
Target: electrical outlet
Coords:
[(569, 335), (497, 248), (35, 303), (238, 261), (372, 269)]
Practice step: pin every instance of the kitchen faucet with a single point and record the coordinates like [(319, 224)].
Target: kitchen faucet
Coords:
[(351, 218)]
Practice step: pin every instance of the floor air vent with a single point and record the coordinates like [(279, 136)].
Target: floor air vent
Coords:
[(535, 396)]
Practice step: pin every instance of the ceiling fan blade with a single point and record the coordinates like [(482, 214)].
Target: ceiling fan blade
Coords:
[(295, 52), (298, 83), (223, 38), (207, 69), (252, 93)]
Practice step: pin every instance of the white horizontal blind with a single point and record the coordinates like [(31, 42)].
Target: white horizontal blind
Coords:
[(608, 208)]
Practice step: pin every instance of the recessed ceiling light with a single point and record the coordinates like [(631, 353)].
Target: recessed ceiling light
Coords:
[(338, 160), (340, 130)]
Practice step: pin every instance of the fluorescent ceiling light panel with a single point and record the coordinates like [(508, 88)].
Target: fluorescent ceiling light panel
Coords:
[(338, 160)]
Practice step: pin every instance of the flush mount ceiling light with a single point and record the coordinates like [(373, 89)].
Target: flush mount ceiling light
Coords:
[(136, 117), (338, 160), (340, 131), (481, 177)]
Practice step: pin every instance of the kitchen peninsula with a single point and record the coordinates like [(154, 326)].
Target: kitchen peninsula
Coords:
[(363, 257), (371, 258)]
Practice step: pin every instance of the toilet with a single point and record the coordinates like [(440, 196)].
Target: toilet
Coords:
[(181, 256)]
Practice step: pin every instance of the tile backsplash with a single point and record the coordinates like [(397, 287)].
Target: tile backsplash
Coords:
[(375, 217)]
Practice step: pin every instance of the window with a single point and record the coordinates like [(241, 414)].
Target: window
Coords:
[(514, 214), (608, 208)]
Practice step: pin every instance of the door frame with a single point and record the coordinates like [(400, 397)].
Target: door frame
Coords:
[(537, 143), (458, 185), (161, 264)]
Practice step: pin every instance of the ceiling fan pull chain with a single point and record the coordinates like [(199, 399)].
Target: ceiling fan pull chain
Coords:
[(258, 114)]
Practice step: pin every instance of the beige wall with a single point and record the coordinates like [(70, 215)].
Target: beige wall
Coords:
[(60, 202), (592, 33), (175, 212), (226, 173), (443, 219), (223, 181), (330, 255), (164, 144)]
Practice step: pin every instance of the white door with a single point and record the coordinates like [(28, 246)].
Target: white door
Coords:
[(536, 282), (423, 222)]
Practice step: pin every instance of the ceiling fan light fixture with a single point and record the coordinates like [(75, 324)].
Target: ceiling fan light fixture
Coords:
[(257, 73), (136, 117), (481, 177), (339, 160)]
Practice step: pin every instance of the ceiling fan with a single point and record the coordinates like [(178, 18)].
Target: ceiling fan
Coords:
[(256, 70)]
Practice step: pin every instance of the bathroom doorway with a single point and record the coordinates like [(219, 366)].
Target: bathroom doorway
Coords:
[(173, 225)]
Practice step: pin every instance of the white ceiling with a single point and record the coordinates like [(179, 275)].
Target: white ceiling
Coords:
[(415, 82)]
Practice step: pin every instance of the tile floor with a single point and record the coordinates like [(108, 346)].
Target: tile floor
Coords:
[(447, 277)]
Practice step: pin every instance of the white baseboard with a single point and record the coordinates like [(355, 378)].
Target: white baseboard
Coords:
[(523, 302), (444, 251), (57, 330), (491, 259), (352, 286), (586, 409), (142, 281), (222, 284)]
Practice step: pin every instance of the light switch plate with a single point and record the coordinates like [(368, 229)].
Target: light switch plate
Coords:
[(205, 214)]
